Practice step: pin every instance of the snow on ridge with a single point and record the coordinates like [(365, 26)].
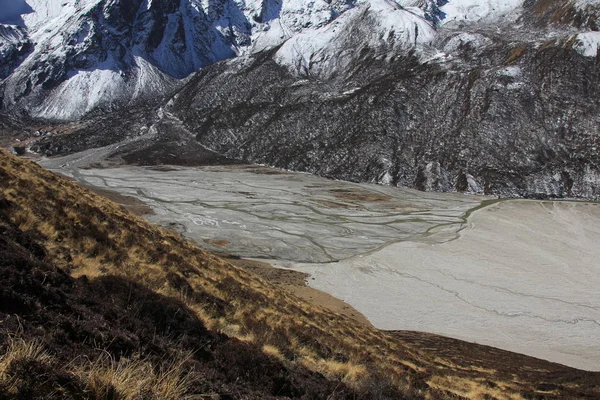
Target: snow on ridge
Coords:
[(272, 27), (478, 10), (96, 57), (14, 45), (583, 3), (46, 11), (102, 86), (11, 34), (315, 36), (380, 23), (587, 44)]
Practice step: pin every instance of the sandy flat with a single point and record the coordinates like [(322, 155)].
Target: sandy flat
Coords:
[(523, 276), (263, 213), (519, 275)]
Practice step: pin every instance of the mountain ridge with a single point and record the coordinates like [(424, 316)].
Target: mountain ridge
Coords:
[(447, 96)]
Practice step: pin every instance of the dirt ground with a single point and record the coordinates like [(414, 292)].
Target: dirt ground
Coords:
[(131, 204)]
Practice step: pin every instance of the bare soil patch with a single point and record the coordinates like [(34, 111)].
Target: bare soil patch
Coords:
[(218, 243), (131, 204)]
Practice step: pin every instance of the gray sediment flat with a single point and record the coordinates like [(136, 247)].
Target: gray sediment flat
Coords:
[(522, 276), (518, 275)]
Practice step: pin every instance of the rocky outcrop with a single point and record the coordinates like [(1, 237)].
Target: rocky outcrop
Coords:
[(14, 46)]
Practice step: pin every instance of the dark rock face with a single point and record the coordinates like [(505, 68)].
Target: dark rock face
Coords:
[(505, 118), (14, 46)]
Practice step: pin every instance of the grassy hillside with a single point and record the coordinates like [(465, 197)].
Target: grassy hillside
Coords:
[(98, 303)]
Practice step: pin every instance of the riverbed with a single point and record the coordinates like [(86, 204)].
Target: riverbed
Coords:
[(518, 275)]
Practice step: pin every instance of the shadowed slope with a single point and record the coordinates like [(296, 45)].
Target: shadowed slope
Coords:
[(66, 336)]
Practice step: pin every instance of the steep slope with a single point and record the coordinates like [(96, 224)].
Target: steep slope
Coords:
[(123, 271), (488, 108), (14, 46), (110, 337), (105, 53), (460, 95)]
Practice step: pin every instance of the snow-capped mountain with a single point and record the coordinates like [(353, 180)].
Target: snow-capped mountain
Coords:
[(378, 25), (498, 98), (102, 53), (62, 59), (469, 95)]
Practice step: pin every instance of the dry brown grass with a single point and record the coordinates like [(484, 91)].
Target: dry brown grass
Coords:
[(104, 377), (473, 389), (19, 349), (89, 235), (130, 379), (273, 352), (347, 372), (515, 54)]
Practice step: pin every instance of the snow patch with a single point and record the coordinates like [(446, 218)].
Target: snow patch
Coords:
[(477, 10), (46, 11), (588, 44), (466, 39), (512, 72), (473, 187)]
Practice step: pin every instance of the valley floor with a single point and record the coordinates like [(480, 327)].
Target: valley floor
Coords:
[(522, 276), (518, 275)]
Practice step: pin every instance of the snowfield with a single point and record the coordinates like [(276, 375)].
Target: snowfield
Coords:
[(479, 10)]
